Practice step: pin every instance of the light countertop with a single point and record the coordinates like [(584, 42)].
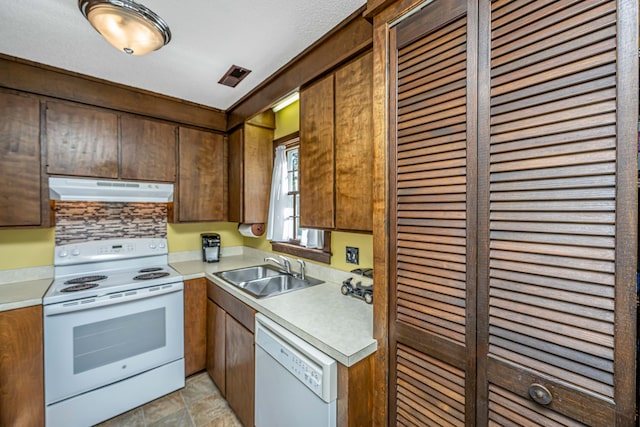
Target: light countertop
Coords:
[(340, 326)]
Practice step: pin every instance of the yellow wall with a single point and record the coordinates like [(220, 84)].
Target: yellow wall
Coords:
[(186, 237), (26, 248), (287, 120)]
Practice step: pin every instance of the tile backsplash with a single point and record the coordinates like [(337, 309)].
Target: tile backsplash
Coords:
[(83, 221)]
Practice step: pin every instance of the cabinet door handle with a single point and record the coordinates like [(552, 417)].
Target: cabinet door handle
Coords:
[(540, 394)]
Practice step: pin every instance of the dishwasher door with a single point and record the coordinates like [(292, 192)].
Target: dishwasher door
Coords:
[(296, 384)]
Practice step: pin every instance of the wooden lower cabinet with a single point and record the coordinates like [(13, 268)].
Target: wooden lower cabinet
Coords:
[(21, 368), (230, 350), (195, 325), (240, 370), (216, 349)]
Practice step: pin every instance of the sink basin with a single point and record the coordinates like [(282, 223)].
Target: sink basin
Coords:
[(241, 275), (264, 280)]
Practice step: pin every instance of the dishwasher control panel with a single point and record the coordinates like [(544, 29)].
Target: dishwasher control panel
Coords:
[(313, 368)]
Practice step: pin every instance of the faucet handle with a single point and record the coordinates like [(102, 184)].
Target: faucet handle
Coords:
[(302, 266)]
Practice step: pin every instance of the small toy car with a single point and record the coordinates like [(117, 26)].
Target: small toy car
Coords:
[(358, 291)]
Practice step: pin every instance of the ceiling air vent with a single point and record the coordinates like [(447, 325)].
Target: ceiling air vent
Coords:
[(234, 76)]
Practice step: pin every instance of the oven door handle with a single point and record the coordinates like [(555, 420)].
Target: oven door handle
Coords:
[(111, 299)]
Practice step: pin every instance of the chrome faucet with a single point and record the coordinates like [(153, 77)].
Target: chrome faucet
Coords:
[(285, 265), (302, 265)]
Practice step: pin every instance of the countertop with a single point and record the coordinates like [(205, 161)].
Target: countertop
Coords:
[(340, 326)]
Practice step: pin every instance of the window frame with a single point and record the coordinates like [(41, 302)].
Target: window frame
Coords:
[(293, 247)]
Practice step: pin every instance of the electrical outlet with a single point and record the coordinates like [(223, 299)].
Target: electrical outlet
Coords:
[(352, 255)]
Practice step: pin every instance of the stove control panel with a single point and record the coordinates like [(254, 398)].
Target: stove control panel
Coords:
[(101, 250)]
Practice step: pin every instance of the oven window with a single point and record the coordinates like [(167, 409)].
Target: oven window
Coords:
[(100, 343)]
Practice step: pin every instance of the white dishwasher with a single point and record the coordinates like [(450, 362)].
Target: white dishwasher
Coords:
[(296, 384)]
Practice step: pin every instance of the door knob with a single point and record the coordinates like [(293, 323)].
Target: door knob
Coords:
[(540, 394)]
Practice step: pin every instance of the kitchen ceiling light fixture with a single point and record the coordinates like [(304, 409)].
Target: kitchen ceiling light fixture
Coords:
[(128, 26)]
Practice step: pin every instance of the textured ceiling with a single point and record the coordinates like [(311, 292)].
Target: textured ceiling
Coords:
[(207, 38)]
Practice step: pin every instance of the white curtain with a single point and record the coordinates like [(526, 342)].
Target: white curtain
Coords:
[(277, 229), (312, 238)]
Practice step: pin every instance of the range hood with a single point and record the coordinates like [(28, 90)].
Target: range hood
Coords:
[(95, 190)]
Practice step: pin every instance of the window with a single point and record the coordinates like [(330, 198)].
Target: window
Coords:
[(296, 240)]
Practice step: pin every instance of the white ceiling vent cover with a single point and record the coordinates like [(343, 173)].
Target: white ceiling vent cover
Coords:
[(93, 190)]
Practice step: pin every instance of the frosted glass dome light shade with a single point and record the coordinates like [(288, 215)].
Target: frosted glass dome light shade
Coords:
[(128, 26)]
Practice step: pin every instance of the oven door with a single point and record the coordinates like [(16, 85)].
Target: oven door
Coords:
[(97, 341)]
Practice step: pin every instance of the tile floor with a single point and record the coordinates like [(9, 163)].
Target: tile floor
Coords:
[(198, 404)]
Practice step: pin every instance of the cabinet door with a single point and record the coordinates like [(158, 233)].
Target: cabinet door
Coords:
[(202, 176), (81, 141), (21, 368), (559, 257), (354, 145), (240, 378), (19, 160), (148, 150), (236, 175), (317, 155), (195, 325), (258, 164), (216, 347), (432, 318)]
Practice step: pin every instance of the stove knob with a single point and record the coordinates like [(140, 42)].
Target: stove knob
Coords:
[(152, 245), (161, 245), (75, 252), (63, 253)]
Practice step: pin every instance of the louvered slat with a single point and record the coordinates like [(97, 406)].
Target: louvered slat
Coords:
[(430, 392), (552, 197), (509, 409), (431, 179)]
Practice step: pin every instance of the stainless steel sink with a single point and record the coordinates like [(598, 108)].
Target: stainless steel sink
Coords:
[(241, 275), (264, 280)]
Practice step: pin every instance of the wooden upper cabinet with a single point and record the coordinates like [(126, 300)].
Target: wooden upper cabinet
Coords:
[(236, 175), (250, 168), (20, 164), (81, 141), (148, 150), (317, 193), (202, 176), (336, 149), (354, 145)]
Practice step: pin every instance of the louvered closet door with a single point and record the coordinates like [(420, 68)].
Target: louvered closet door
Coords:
[(553, 296), (432, 322)]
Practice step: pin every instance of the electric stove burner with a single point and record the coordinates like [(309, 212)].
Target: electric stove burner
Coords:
[(85, 279), (150, 270), (150, 276), (80, 287)]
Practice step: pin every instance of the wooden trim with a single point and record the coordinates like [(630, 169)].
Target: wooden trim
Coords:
[(287, 139), (319, 255), (27, 76), (346, 40), (472, 211), (355, 388), (626, 212), (482, 267)]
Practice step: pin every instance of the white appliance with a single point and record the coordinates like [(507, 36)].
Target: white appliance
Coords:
[(113, 330), (296, 384), (103, 190)]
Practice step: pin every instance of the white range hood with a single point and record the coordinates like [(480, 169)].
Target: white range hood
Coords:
[(96, 190)]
